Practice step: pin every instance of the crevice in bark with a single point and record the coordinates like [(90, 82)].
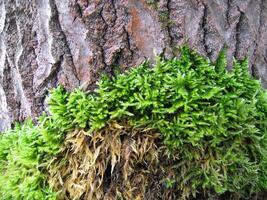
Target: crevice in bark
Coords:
[(168, 23), (164, 10), (35, 58), (238, 31), (102, 43), (253, 68), (9, 90), (67, 52), (116, 60), (115, 12), (128, 41), (229, 2), (48, 83), (19, 109), (204, 25), (78, 10)]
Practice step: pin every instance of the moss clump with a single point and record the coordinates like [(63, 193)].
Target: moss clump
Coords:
[(212, 120), (21, 156), (153, 3)]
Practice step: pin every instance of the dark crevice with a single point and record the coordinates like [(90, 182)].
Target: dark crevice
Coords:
[(115, 12), (8, 87), (253, 70), (116, 61), (164, 13), (67, 52), (78, 11), (128, 42), (19, 109), (168, 23), (228, 13), (33, 70), (102, 43), (107, 177), (257, 40), (204, 26), (238, 31), (163, 52)]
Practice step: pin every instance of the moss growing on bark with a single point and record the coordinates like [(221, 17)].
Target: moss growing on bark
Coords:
[(209, 127)]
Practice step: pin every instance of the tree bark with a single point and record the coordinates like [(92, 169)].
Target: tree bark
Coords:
[(44, 43)]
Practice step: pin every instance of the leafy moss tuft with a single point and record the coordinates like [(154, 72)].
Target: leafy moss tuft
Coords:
[(21, 156)]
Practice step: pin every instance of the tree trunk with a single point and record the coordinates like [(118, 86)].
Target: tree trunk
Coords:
[(44, 43)]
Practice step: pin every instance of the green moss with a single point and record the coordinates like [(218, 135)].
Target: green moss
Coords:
[(212, 119), (153, 3), (21, 157), (165, 19)]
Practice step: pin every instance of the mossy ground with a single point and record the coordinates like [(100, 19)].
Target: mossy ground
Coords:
[(182, 129)]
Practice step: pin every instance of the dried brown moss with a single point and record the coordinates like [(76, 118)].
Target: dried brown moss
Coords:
[(117, 162)]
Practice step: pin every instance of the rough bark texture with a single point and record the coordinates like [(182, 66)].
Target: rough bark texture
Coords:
[(44, 43)]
